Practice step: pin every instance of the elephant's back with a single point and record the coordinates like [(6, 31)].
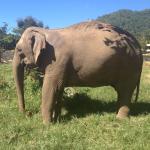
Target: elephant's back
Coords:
[(105, 34), (104, 38), (106, 30)]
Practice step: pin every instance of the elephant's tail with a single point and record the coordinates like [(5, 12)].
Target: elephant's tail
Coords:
[(137, 91), (138, 82)]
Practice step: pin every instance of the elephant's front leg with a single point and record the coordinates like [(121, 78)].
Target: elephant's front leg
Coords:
[(58, 104), (52, 86)]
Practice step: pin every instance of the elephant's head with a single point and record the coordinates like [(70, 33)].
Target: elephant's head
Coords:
[(30, 45), (27, 52)]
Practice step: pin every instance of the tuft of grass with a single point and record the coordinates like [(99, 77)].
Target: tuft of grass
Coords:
[(88, 118)]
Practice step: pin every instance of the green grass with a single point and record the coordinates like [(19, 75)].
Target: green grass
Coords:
[(88, 119)]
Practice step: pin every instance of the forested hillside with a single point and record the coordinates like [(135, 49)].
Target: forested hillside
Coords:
[(136, 22)]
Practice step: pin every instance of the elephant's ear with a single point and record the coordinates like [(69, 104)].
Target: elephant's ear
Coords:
[(38, 44)]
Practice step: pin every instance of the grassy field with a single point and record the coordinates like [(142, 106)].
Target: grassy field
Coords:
[(88, 119)]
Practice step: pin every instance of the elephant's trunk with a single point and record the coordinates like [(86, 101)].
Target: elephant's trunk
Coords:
[(18, 72)]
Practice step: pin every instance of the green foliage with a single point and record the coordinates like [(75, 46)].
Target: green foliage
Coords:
[(8, 40), (6, 83), (136, 22), (88, 118), (3, 29), (35, 78)]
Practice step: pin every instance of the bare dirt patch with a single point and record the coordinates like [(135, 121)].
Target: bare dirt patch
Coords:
[(7, 56)]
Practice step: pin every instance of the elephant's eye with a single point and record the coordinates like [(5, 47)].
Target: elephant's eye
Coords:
[(19, 50), (21, 53)]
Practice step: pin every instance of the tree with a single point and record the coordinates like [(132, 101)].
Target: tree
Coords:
[(29, 21), (7, 40), (3, 29)]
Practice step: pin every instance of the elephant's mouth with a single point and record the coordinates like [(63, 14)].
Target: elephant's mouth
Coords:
[(29, 61), (31, 66)]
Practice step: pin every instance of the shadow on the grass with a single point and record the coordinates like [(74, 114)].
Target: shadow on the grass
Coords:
[(140, 108), (81, 105)]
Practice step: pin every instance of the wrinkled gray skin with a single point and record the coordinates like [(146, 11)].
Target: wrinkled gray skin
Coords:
[(86, 54)]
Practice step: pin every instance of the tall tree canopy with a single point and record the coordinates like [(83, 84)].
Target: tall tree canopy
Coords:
[(24, 23), (8, 40)]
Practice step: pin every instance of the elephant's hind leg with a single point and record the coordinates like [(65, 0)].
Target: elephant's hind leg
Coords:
[(124, 100)]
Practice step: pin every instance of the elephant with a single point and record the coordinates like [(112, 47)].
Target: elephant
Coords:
[(89, 53)]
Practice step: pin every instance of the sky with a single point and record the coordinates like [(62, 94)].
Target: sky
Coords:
[(62, 13)]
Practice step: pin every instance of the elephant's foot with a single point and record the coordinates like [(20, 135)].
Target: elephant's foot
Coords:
[(47, 118), (22, 109), (47, 121), (21, 106), (123, 112), (53, 119)]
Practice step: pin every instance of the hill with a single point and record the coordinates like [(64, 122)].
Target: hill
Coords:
[(136, 22)]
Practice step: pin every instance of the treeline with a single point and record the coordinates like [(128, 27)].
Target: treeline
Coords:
[(135, 22), (8, 39)]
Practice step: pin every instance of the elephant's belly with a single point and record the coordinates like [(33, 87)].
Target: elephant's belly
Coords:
[(101, 77), (97, 70)]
